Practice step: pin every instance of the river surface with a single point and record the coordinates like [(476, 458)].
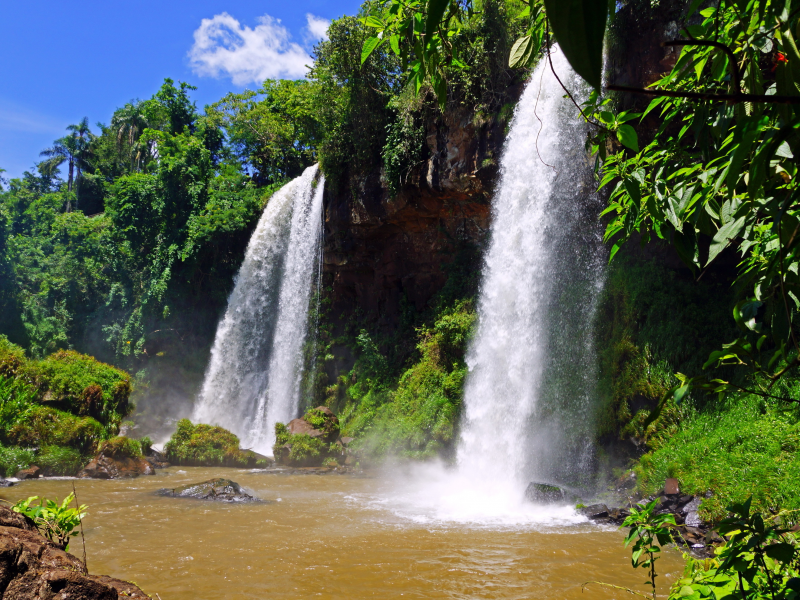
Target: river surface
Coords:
[(338, 536)]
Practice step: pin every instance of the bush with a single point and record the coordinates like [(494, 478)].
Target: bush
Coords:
[(84, 386), (16, 400), (57, 460), (202, 445), (44, 426), (13, 459), (302, 450), (122, 447)]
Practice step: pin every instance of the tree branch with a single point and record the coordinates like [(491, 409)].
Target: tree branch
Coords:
[(732, 98)]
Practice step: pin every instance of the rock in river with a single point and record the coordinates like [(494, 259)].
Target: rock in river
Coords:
[(544, 493), (221, 490)]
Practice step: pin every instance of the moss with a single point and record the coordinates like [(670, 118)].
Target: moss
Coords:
[(44, 426), (60, 461), (206, 445), (302, 450), (84, 386), (122, 447)]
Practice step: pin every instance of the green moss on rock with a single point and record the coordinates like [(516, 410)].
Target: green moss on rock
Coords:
[(206, 445), (45, 426)]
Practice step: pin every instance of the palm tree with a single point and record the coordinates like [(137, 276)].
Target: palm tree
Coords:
[(72, 149), (129, 122)]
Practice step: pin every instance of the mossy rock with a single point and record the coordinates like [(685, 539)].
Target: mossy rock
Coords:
[(219, 489), (304, 450), (207, 445), (45, 426)]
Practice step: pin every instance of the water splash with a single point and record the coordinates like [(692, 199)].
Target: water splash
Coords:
[(527, 398), (253, 376)]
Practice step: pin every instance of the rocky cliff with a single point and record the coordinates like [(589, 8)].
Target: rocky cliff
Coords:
[(380, 249)]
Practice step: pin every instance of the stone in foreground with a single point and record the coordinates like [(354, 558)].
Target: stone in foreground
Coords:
[(544, 493), (34, 568), (220, 490)]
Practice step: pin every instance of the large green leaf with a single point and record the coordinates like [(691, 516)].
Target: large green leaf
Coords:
[(724, 236), (434, 16), (521, 52), (579, 26), (369, 46)]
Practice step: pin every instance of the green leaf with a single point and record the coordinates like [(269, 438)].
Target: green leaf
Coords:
[(372, 21), (435, 13), (394, 42), (782, 552), (521, 52), (723, 237), (579, 26), (628, 138), (369, 47)]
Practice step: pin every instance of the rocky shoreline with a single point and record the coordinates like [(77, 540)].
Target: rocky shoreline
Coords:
[(34, 568), (690, 530)]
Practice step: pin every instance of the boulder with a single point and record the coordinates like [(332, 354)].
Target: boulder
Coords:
[(318, 422), (32, 472), (544, 493), (157, 460), (33, 568), (595, 511), (220, 490), (103, 466)]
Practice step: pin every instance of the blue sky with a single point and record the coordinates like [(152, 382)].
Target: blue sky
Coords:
[(61, 61)]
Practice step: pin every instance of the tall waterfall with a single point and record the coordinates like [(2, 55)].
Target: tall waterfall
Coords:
[(527, 399), (254, 374)]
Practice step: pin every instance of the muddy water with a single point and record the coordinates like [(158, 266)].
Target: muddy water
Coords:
[(336, 536)]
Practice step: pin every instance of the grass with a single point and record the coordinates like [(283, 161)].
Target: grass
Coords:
[(13, 459), (741, 448)]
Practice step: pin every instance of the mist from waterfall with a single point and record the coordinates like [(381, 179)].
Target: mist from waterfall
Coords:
[(254, 374), (527, 410)]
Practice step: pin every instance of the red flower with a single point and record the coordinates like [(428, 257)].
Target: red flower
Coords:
[(781, 58)]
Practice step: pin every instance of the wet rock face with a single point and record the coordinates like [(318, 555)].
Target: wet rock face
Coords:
[(381, 251), (33, 568), (219, 490)]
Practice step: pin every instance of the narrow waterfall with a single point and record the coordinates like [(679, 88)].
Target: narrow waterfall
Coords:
[(254, 373), (527, 399)]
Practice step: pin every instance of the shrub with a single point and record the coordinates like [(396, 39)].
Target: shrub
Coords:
[(206, 445), (45, 426), (16, 399), (84, 386), (302, 450), (57, 460), (122, 447), (13, 459), (12, 358)]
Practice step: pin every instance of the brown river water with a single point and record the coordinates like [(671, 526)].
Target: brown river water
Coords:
[(341, 536)]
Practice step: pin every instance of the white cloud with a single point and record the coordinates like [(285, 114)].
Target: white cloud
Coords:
[(224, 47), (317, 28)]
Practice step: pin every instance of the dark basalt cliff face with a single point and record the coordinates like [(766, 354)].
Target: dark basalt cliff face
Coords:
[(380, 249)]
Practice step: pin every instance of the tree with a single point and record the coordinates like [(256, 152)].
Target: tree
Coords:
[(72, 149)]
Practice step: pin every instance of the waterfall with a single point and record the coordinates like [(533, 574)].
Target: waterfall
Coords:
[(255, 370), (528, 394)]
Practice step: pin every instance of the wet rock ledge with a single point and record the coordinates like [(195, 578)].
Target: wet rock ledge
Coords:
[(33, 568), (690, 529)]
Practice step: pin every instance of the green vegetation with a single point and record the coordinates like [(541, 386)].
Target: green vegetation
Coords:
[(57, 522), (203, 445), (122, 447), (56, 412)]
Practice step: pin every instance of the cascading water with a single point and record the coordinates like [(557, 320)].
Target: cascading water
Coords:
[(254, 374), (527, 398), (527, 412)]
